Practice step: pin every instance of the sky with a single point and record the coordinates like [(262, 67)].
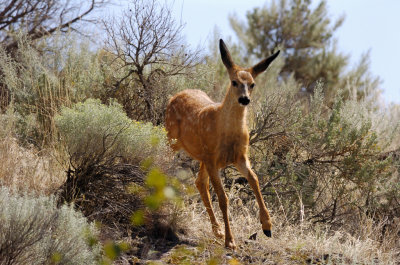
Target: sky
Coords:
[(369, 25)]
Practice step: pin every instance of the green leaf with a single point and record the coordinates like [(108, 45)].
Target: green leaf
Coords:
[(137, 218), (156, 179)]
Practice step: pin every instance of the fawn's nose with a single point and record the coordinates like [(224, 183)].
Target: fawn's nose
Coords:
[(244, 100)]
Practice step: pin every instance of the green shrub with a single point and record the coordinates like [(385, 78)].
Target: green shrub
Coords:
[(34, 231), (96, 135), (97, 138)]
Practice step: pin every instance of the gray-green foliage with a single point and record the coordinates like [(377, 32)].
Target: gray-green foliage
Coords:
[(331, 161), (34, 231), (40, 83), (77, 67), (97, 136)]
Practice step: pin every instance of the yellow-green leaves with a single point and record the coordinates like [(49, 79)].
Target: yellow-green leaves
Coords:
[(113, 250), (158, 189), (56, 258), (137, 218), (156, 181)]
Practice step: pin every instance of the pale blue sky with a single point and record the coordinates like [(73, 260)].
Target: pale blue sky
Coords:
[(369, 25)]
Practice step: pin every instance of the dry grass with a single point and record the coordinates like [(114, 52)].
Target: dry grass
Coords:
[(27, 169), (290, 244)]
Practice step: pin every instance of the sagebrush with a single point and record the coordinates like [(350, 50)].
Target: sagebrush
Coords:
[(33, 230)]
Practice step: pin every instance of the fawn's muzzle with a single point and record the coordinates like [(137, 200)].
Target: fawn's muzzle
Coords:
[(244, 101)]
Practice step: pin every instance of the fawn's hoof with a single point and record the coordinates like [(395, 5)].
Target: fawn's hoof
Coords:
[(218, 232), (230, 244), (253, 236), (267, 233)]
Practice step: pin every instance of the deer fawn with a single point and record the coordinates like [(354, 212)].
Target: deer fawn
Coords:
[(216, 134)]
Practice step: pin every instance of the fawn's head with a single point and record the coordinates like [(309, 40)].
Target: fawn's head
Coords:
[(242, 80)]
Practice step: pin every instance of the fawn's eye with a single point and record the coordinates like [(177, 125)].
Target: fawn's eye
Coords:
[(252, 86), (234, 83)]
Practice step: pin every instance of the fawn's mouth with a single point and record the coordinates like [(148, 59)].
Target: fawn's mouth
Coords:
[(244, 101)]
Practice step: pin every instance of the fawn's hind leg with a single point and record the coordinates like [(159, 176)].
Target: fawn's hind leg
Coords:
[(202, 184)]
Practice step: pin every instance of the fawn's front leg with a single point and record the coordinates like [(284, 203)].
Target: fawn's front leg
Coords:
[(245, 169)]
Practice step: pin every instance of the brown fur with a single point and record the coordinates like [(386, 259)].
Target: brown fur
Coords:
[(216, 134)]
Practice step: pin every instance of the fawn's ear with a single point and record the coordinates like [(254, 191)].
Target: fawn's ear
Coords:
[(225, 55), (263, 65)]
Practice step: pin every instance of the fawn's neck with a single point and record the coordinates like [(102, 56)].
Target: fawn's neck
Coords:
[(233, 114)]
